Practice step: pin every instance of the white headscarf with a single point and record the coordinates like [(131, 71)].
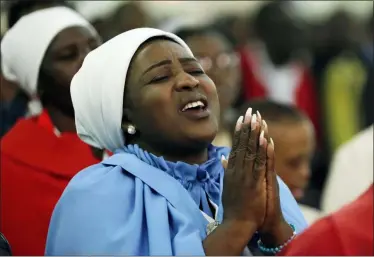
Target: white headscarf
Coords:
[(24, 45), (98, 87)]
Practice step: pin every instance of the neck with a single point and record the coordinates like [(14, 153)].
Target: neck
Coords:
[(61, 121), (190, 155)]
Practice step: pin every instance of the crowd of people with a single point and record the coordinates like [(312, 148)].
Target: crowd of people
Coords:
[(245, 136)]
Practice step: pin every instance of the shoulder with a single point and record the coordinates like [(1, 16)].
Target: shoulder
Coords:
[(290, 208), (97, 179), (98, 198)]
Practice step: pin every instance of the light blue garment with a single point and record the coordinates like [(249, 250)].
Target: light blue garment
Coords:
[(135, 203)]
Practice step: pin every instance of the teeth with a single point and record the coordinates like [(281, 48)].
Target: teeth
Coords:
[(192, 105)]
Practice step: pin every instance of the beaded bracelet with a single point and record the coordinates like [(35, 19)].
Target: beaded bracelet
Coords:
[(276, 250)]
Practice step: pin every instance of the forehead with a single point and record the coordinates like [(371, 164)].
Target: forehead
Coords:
[(158, 50), (70, 36), (209, 45), (292, 138)]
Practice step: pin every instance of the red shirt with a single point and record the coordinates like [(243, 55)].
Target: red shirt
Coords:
[(36, 166), (347, 232)]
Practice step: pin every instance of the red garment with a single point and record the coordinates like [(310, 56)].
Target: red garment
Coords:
[(36, 166), (304, 94), (347, 232)]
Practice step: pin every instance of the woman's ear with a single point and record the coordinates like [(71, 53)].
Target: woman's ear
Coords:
[(126, 116), (128, 127)]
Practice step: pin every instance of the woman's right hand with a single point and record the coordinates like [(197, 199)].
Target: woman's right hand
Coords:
[(244, 194)]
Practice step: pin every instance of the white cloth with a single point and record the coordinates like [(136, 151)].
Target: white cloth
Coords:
[(24, 45), (351, 172), (98, 87)]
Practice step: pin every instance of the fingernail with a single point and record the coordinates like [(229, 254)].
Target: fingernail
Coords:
[(239, 123), (247, 117), (265, 124), (262, 139), (259, 115), (223, 158), (272, 142), (253, 122)]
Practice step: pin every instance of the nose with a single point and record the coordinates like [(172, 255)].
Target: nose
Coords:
[(82, 54), (305, 172), (185, 82)]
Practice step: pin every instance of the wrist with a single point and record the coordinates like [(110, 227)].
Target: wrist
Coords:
[(245, 229), (276, 235)]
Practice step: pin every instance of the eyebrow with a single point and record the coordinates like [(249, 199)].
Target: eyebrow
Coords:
[(164, 62)]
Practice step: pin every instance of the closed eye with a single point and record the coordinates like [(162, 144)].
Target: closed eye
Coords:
[(196, 72), (159, 79)]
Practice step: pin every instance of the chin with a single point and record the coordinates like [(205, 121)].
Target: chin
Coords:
[(203, 136)]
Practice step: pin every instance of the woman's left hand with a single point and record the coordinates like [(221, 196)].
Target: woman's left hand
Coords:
[(275, 230)]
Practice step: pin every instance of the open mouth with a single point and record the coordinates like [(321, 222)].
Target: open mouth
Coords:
[(195, 109), (195, 106)]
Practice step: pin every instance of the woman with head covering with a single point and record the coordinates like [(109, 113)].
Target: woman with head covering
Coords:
[(218, 59), (39, 155), (144, 96), (13, 100)]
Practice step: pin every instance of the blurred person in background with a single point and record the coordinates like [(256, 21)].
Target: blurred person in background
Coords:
[(127, 16), (221, 63), (344, 82), (15, 103), (293, 135), (351, 172), (40, 154), (346, 232), (270, 66), (367, 55), (235, 28)]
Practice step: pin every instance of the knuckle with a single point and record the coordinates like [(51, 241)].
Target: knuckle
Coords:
[(242, 145), (251, 141), (260, 162), (250, 157)]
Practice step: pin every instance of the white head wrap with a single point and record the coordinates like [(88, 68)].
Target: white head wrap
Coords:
[(24, 45), (98, 87)]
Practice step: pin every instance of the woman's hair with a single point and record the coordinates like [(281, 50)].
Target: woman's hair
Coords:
[(19, 8), (274, 112)]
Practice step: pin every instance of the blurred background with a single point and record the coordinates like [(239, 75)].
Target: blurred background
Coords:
[(315, 55)]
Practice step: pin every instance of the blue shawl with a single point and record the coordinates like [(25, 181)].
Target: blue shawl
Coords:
[(135, 203)]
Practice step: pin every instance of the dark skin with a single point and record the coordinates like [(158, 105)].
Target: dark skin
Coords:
[(295, 145), (155, 96), (62, 60), (163, 89), (226, 79)]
